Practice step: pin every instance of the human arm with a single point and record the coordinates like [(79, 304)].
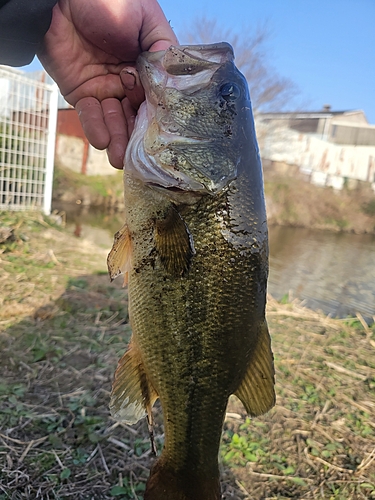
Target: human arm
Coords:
[(90, 50), (23, 24)]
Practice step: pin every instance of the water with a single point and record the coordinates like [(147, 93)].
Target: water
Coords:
[(91, 223), (332, 272)]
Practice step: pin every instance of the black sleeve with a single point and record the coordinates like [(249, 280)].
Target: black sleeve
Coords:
[(23, 24)]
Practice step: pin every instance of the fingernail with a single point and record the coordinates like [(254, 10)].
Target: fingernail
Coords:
[(128, 79)]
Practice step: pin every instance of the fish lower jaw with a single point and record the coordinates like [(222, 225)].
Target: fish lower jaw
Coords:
[(142, 166)]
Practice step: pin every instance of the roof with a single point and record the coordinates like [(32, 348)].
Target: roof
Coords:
[(316, 115), (311, 114)]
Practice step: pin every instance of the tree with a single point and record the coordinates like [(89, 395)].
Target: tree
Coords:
[(269, 91)]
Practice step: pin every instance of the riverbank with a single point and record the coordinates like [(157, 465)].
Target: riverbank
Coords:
[(294, 202), (290, 200), (105, 192), (63, 327)]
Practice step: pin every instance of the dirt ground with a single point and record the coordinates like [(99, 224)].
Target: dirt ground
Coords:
[(63, 327)]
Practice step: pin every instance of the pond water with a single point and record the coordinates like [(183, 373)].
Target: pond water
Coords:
[(332, 272)]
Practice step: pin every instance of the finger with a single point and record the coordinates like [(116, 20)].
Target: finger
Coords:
[(162, 45), (130, 115), (92, 120), (99, 86), (115, 121), (133, 87)]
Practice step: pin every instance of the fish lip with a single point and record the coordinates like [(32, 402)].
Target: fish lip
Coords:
[(161, 64)]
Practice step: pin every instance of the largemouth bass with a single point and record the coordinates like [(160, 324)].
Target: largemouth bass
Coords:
[(195, 254)]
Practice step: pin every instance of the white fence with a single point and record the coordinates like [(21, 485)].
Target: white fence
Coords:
[(28, 113)]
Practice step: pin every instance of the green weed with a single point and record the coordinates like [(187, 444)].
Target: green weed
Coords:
[(369, 208)]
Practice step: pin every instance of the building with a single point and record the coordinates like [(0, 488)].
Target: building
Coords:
[(74, 151), (331, 148)]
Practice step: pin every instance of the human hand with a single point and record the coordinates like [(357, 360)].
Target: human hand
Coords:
[(90, 50)]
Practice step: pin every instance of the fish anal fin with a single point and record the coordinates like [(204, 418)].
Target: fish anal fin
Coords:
[(173, 242), (119, 258), (132, 395), (257, 389)]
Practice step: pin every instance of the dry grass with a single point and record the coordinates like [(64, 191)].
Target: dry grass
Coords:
[(62, 329), (294, 202), (318, 442)]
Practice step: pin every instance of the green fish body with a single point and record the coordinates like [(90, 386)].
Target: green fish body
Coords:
[(195, 252)]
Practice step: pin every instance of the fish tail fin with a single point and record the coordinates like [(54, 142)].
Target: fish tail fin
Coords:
[(165, 483)]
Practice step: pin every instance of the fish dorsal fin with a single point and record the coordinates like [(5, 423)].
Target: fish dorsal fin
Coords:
[(256, 391), (173, 242), (119, 258), (132, 395)]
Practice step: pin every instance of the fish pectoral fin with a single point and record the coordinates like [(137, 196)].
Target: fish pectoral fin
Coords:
[(132, 395), (257, 389), (119, 258), (173, 243)]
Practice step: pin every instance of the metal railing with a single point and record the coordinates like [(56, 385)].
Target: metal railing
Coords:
[(28, 113)]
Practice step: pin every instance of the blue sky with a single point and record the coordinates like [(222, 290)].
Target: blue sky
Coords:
[(327, 47)]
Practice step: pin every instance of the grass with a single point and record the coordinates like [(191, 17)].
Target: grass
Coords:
[(318, 441), (63, 327), (369, 208)]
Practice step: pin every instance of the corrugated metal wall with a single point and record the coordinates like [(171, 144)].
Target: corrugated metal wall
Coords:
[(357, 136)]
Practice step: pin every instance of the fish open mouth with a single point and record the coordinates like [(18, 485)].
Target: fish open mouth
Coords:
[(178, 63)]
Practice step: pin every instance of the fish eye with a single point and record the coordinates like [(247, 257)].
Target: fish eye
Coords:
[(230, 91)]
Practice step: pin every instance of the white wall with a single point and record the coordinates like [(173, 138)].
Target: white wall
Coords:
[(98, 164), (313, 154), (69, 154)]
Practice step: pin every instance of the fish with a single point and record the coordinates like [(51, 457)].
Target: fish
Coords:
[(194, 253)]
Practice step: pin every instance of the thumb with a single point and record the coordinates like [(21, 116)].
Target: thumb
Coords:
[(161, 45)]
